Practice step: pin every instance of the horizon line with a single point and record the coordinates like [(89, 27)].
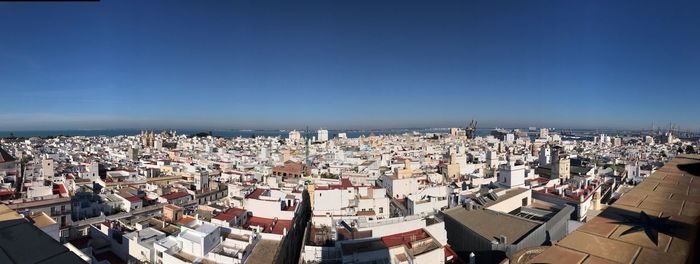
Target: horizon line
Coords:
[(334, 129)]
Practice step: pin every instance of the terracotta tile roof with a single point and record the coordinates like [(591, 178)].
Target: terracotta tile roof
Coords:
[(133, 199), (269, 225), (365, 213), (255, 194), (404, 238), (655, 222), (172, 207), (175, 195), (230, 214), (186, 219), (281, 226)]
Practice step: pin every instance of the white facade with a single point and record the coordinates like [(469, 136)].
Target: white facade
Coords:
[(510, 138), (322, 135), (140, 244), (351, 201), (523, 197), (400, 188), (428, 201), (491, 159), (511, 175), (294, 136)]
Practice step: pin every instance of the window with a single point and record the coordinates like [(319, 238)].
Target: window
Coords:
[(381, 210)]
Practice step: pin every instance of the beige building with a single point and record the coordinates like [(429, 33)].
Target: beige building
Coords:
[(450, 170), (561, 165), (406, 172), (47, 169)]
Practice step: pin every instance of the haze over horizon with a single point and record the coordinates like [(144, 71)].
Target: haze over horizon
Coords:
[(279, 65)]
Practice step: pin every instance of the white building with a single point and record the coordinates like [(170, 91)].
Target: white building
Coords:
[(322, 135), (201, 244), (346, 200), (90, 171), (400, 188), (427, 201), (511, 175), (140, 244), (294, 136), (491, 159), (510, 138)]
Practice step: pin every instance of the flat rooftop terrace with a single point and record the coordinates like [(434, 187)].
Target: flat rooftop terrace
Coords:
[(22, 242), (654, 222), (264, 251), (491, 225)]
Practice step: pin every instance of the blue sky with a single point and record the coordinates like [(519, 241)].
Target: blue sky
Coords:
[(349, 64)]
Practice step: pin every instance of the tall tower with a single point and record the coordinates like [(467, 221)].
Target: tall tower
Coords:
[(561, 165), (545, 155), (47, 168)]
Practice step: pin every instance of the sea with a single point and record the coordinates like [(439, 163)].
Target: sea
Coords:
[(232, 133), (578, 134)]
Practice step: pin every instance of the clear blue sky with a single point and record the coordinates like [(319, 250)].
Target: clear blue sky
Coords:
[(341, 64)]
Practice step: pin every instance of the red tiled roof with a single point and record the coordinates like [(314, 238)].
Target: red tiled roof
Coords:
[(281, 226), (60, 189), (266, 224), (255, 194), (451, 256), (230, 214), (7, 192), (172, 207), (404, 238), (133, 199), (291, 208), (365, 213), (539, 180), (345, 183), (185, 220), (175, 195)]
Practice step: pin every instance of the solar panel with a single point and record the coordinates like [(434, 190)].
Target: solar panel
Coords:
[(481, 200), (494, 195)]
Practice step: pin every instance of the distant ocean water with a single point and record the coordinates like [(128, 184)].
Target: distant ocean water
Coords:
[(225, 133)]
